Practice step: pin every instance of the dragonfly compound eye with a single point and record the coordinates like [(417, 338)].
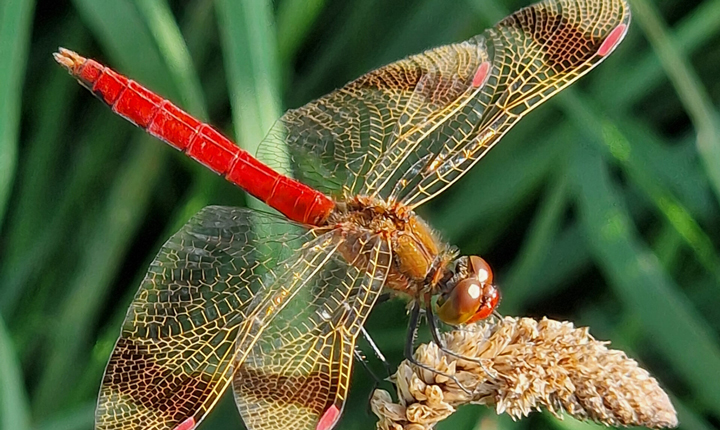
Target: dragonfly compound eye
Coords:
[(472, 298), (480, 269), (489, 301)]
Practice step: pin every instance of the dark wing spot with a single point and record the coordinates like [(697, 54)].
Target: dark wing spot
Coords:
[(565, 44), (311, 391)]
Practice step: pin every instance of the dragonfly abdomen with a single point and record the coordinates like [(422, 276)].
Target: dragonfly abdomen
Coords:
[(162, 119)]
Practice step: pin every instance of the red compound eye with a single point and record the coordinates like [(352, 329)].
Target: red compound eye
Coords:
[(473, 298), (462, 302), (490, 301), (481, 270)]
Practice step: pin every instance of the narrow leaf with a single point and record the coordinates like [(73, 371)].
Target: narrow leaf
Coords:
[(15, 27), (694, 97), (14, 407)]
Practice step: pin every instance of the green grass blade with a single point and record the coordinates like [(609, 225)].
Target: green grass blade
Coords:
[(109, 239), (568, 247), (489, 11), (689, 418), (80, 418), (121, 30), (305, 87), (523, 172), (675, 212), (123, 35), (613, 142), (176, 54), (406, 37), (157, 16), (669, 320), (643, 71), (84, 172), (199, 30), (671, 163), (533, 255), (35, 182), (14, 405), (294, 21), (252, 67), (253, 71), (64, 256), (573, 424), (667, 246), (691, 92), (15, 27)]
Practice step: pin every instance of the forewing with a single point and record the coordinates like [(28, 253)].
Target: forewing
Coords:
[(298, 372), (172, 360), (336, 140), (535, 53), (408, 130)]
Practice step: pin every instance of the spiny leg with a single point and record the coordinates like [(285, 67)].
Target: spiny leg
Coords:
[(380, 356), (363, 361), (410, 343), (376, 380)]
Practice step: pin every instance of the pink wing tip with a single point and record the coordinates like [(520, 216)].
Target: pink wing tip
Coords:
[(481, 74), (188, 424), (613, 40), (71, 60), (329, 418)]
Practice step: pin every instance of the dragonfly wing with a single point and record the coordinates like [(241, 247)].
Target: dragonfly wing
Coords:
[(173, 358), (343, 134), (298, 372), (536, 52), (408, 130)]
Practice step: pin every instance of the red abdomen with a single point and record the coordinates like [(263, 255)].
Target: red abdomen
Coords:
[(200, 141)]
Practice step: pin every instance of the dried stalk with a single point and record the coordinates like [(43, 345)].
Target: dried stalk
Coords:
[(526, 365)]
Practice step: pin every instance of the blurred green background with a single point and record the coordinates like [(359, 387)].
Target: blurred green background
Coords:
[(601, 207)]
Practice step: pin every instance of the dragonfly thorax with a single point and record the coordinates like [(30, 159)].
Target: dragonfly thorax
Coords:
[(420, 257)]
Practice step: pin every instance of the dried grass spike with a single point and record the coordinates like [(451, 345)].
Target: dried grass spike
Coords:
[(527, 364)]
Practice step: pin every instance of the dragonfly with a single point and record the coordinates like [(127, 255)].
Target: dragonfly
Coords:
[(272, 303)]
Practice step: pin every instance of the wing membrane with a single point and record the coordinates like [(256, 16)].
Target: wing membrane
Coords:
[(343, 134), (175, 353), (300, 367), (408, 130), (537, 52)]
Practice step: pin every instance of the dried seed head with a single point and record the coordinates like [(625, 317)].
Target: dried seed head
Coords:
[(526, 364)]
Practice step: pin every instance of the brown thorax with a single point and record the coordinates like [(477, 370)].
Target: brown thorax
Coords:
[(420, 257)]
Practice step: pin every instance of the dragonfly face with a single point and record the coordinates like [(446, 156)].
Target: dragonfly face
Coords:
[(273, 305), (469, 295)]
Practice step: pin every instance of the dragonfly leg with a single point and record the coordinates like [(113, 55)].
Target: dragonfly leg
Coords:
[(412, 330), (376, 350), (382, 298), (432, 321), (376, 380), (409, 346), (363, 361)]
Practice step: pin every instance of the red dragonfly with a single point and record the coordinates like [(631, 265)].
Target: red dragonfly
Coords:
[(273, 304)]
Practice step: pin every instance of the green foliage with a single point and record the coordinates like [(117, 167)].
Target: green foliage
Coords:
[(601, 207)]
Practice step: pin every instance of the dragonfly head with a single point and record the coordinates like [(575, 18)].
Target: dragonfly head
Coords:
[(469, 295)]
